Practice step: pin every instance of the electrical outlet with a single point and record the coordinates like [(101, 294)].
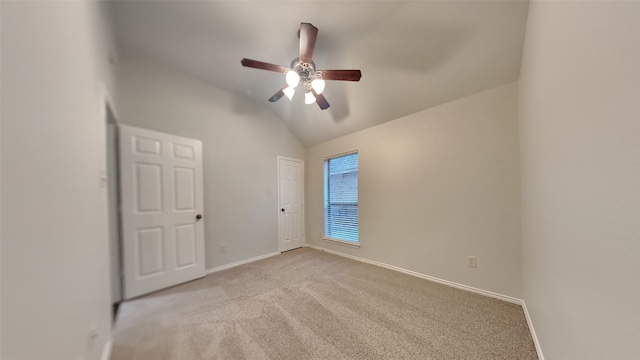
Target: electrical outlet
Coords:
[(223, 247), (472, 262)]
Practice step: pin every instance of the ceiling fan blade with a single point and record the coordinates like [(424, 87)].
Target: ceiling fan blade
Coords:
[(320, 99), (346, 75), (307, 34), (277, 95), (263, 65)]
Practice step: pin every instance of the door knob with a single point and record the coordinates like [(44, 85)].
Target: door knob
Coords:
[(199, 216), (282, 210)]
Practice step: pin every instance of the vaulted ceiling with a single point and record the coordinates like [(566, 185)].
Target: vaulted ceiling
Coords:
[(413, 55)]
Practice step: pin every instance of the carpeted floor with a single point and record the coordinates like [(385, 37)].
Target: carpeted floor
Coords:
[(308, 304)]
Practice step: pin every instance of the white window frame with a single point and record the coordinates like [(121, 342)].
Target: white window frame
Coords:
[(350, 243)]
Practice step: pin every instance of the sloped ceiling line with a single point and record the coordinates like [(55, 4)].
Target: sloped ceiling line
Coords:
[(413, 55)]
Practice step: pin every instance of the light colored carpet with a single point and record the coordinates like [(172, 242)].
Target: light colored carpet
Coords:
[(308, 304)]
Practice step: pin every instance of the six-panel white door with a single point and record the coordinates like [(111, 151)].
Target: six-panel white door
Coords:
[(291, 203), (161, 202)]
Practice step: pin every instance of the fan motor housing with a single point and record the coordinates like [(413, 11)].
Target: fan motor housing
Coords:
[(306, 71)]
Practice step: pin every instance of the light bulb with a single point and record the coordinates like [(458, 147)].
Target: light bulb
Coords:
[(289, 91), (309, 98), (318, 85), (292, 78)]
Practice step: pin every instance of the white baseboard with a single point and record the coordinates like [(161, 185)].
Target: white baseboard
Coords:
[(241, 262), (472, 289), (532, 330), (106, 351)]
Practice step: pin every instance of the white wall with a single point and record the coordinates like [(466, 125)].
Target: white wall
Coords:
[(435, 187), (241, 142), (580, 140), (55, 269)]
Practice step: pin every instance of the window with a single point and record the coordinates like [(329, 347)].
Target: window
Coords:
[(341, 198)]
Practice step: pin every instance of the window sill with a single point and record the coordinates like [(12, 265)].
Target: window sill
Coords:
[(342, 242)]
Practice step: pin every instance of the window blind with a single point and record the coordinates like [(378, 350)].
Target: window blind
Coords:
[(341, 197)]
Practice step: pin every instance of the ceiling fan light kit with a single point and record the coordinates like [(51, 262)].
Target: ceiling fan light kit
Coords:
[(318, 85), (289, 91), (303, 71), (309, 98), (293, 79)]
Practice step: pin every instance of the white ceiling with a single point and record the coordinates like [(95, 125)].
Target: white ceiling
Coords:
[(413, 55)]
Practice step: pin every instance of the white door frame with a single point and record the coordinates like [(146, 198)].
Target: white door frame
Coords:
[(114, 213), (280, 207)]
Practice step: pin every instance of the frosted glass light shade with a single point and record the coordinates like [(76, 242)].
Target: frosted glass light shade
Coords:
[(309, 98), (318, 85), (292, 78), (289, 91)]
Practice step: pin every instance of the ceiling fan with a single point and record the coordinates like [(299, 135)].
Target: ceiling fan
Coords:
[(303, 71)]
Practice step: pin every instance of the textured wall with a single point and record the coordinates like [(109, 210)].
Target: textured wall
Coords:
[(580, 140), (55, 256), (241, 142), (435, 187)]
